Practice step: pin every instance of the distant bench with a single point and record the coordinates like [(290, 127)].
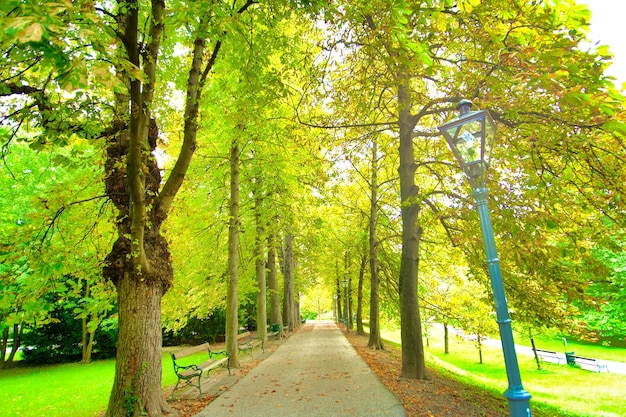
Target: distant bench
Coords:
[(591, 364), (187, 373), (273, 331), (245, 342), (551, 356)]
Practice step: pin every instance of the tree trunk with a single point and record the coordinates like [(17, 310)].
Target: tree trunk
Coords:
[(272, 283), (347, 286), (232, 298), (87, 342), (359, 304), (87, 336), (413, 364), (7, 362), (137, 387), (288, 298), (532, 343), (338, 298), (375, 341), (259, 254), (446, 339)]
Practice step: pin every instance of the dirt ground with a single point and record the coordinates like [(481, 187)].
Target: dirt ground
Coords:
[(440, 396)]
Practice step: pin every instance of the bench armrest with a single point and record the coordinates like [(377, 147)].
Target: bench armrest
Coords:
[(218, 352), (193, 366)]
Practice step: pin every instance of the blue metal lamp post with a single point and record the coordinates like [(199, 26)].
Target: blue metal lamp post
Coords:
[(471, 136)]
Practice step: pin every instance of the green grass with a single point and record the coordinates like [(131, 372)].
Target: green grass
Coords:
[(68, 390), (575, 392)]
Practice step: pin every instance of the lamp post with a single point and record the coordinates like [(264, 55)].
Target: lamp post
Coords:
[(346, 307), (471, 136)]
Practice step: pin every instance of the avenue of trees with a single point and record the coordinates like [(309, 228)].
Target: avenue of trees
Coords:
[(165, 162)]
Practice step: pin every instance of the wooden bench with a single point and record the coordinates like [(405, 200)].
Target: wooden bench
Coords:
[(551, 356), (591, 364), (245, 342), (188, 373)]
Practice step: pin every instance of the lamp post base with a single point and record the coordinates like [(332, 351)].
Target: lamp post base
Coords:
[(518, 399)]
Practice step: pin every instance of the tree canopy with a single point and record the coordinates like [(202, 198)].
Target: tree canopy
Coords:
[(125, 124)]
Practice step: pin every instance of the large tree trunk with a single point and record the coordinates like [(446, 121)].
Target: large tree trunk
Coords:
[(338, 298), (289, 310), (272, 282), (259, 253), (232, 298), (137, 387), (347, 281), (413, 364), (359, 303), (375, 341)]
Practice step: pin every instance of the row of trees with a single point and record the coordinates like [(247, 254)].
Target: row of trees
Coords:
[(218, 140)]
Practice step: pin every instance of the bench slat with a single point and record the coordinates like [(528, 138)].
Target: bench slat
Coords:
[(191, 350)]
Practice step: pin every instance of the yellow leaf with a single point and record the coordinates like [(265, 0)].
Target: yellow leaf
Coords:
[(32, 33)]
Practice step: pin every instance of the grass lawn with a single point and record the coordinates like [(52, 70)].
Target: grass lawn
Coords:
[(68, 390), (575, 391)]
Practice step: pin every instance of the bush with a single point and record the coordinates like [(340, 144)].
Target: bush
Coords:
[(60, 340), (198, 330)]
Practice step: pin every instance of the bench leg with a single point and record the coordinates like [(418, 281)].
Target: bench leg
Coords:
[(200, 385)]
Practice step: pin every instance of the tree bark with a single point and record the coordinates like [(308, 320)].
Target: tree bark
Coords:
[(375, 341), (413, 364), (359, 304), (446, 340), (289, 296), (137, 387), (232, 299), (7, 362), (338, 300), (272, 282), (259, 254)]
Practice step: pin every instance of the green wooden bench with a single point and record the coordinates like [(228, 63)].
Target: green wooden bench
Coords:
[(246, 343), (189, 373)]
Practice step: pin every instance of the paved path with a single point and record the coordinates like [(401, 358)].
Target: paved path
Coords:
[(315, 373)]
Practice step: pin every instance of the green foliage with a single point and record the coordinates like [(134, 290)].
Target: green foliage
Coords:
[(197, 330), (60, 339), (50, 235), (605, 313)]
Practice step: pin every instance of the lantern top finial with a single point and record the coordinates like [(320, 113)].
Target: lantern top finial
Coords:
[(464, 106)]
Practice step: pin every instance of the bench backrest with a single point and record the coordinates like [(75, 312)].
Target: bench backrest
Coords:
[(242, 335), (191, 350)]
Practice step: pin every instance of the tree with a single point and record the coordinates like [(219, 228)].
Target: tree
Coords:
[(52, 241), (375, 341), (139, 262)]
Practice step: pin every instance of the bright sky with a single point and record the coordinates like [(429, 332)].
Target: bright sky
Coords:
[(607, 27)]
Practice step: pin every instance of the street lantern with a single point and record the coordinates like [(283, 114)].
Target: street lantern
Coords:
[(471, 137)]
